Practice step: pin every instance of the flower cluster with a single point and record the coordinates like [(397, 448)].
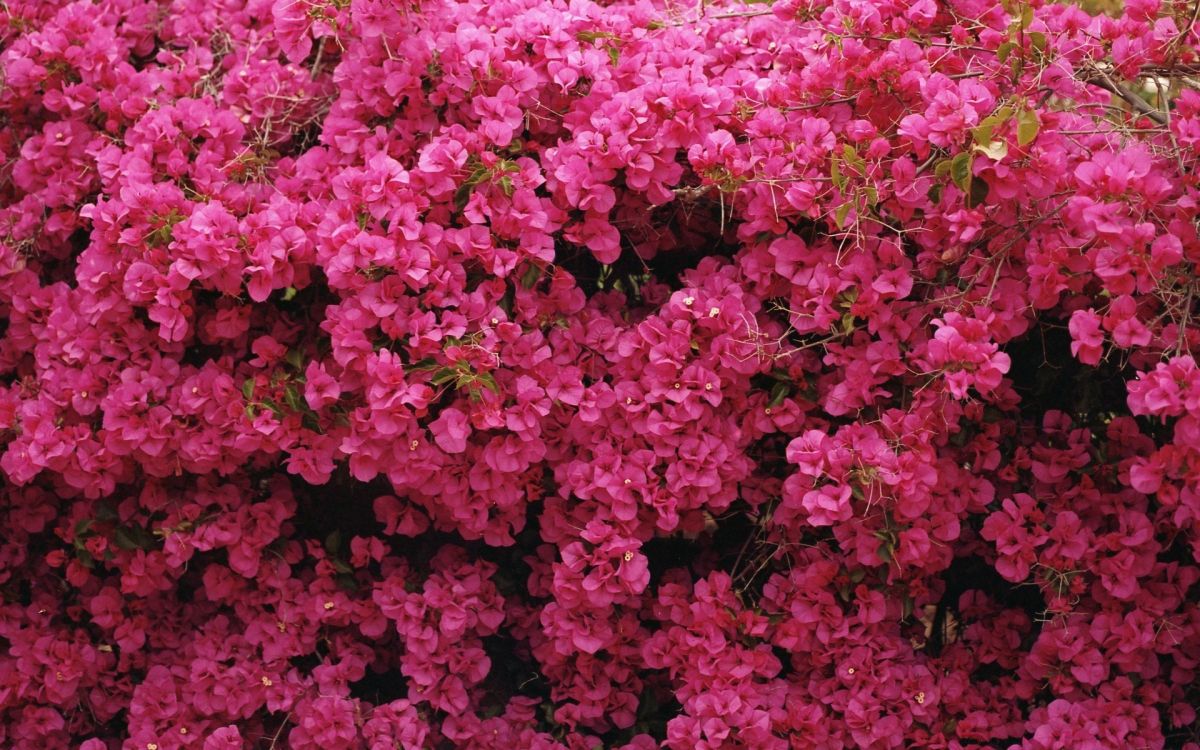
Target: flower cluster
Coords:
[(633, 374)]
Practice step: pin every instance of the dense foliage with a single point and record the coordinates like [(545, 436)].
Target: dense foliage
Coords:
[(546, 374)]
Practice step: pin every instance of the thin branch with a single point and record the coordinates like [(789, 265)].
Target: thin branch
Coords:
[(1129, 97)]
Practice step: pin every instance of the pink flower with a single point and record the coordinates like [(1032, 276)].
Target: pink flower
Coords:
[(1087, 340)]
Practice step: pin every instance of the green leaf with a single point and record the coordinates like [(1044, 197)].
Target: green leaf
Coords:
[(1027, 127), (1004, 50), (835, 173), (125, 540), (977, 194), (614, 53), (593, 36), (291, 397), (847, 322), (960, 170), (489, 382), (983, 132), (248, 389), (531, 276), (885, 551), (289, 294), (423, 365), (852, 157), (842, 212), (779, 393), (444, 376), (333, 542), (82, 527), (85, 558), (463, 194)]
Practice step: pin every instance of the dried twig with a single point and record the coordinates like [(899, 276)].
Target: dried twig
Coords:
[(1131, 98)]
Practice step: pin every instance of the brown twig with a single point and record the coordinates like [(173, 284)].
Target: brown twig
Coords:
[(1102, 80)]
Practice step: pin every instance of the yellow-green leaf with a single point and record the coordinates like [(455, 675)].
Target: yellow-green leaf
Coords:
[(842, 212), (994, 150), (982, 133), (1027, 127), (835, 173), (852, 157)]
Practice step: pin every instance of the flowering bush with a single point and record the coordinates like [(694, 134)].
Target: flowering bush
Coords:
[(575, 375)]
